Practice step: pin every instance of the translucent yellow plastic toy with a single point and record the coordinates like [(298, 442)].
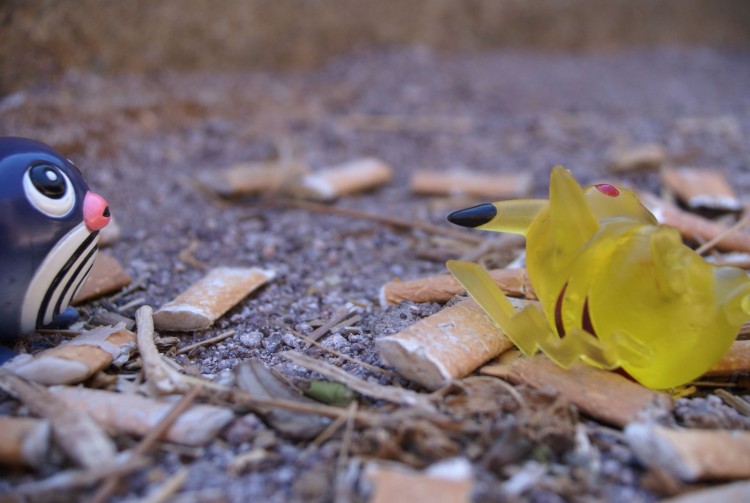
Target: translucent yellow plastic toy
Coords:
[(616, 289)]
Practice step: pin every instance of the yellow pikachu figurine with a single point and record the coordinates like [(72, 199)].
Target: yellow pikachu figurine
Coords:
[(616, 288)]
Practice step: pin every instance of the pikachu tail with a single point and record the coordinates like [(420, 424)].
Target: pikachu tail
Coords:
[(528, 329)]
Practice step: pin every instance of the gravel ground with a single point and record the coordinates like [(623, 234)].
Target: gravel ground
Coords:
[(141, 141)]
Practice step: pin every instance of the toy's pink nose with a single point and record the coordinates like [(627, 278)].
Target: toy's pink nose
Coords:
[(95, 211)]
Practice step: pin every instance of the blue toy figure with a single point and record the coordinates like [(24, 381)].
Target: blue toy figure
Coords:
[(49, 231)]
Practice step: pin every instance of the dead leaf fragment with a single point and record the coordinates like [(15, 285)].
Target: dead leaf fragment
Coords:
[(257, 380)]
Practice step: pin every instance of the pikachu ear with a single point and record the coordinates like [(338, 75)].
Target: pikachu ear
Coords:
[(573, 222)]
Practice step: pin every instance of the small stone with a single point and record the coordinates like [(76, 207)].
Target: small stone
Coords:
[(290, 340), (251, 340), (335, 341), (272, 342)]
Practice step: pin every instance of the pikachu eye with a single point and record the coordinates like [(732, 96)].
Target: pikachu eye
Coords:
[(607, 189), (49, 190)]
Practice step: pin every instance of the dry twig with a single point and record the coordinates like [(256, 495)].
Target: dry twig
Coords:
[(160, 378)]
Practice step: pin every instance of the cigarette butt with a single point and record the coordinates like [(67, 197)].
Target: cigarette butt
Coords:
[(107, 276), (354, 176), (206, 300), (445, 346), (735, 360), (692, 455), (692, 226), (441, 288), (252, 178), (79, 436), (449, 481), (735, 492), (496, 186), (604, 395), (648, 156), (137, 415), (76, 360), (701, 188), (23, 441)]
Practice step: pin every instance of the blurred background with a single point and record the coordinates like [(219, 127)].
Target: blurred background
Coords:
[(42, 39)]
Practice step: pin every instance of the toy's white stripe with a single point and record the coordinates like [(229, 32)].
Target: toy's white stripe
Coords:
[(63, 287), (47, 271)]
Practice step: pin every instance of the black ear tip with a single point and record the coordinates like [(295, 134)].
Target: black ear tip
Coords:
[(474, 216)]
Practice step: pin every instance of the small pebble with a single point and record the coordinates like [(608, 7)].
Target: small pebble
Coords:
[(272, 342), (251, 340)]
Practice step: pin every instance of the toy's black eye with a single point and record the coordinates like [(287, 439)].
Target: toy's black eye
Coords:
[(49, 190), (48, 180)]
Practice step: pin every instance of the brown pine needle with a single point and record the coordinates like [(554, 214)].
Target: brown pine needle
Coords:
[(340, 354), (211, 340), (337, 317)]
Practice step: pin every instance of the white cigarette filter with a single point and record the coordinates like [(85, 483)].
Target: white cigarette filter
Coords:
[(210, 297)]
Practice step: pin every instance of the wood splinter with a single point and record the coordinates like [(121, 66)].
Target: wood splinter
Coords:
[(441, 288), (210, 297), (445, 346)]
